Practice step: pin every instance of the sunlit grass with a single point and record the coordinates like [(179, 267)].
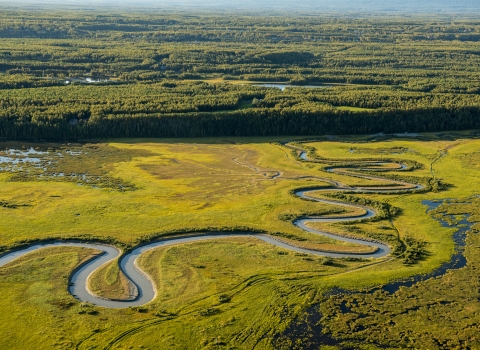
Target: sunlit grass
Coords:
[(211, 184)]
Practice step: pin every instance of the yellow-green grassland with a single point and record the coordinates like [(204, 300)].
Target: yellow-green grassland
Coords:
[(238, 293)]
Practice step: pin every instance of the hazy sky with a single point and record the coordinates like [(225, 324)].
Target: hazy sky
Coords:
[(317, 5)]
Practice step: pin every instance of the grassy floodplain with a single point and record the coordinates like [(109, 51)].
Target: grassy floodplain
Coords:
[(231, 293)]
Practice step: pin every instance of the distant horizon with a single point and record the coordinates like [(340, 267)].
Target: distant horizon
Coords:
[(317, 6)]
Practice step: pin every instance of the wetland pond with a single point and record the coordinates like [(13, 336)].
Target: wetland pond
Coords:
[(285, 86), (458, 259), (66, 162)]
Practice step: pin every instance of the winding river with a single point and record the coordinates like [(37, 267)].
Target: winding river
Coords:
[(145, 290)]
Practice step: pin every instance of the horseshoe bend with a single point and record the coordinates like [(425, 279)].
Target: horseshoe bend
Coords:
[(143, 288), (143, 285)]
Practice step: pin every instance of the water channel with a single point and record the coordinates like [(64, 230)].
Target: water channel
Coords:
[(145, 288)]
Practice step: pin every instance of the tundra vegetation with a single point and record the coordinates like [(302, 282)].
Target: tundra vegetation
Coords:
[(239, 292)]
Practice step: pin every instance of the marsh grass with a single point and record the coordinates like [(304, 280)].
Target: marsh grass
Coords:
[(110, 282), (438, 313), (185, 185)]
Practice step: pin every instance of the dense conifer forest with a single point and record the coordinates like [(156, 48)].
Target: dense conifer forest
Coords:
[(68, 75)]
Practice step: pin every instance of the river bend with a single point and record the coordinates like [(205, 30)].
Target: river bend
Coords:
[(144, 286)]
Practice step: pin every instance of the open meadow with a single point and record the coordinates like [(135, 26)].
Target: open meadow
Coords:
[(240, 292)]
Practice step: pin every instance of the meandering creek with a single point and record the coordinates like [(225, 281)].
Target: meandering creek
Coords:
[(145, 288)]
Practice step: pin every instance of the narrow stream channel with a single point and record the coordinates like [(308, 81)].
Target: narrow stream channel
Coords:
[(457, 261), (146, 290)]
